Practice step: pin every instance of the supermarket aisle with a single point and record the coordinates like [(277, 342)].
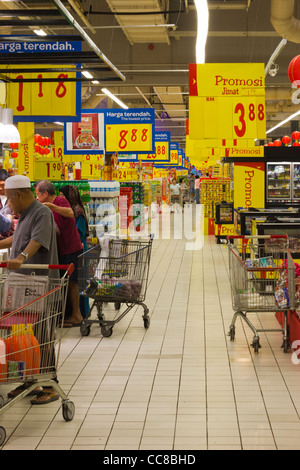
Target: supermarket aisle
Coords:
[(179, 385)]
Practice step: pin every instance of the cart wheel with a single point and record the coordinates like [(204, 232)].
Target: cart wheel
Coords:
[(85, 329), (256, 345), (2, 435), (117, 305), (68, 410), (106, 331), (146, 322), (231, 333), (285, 345)]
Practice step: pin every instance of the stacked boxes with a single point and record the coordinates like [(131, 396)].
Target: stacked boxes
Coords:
[(125, 205), (213, 191), (137, 213)]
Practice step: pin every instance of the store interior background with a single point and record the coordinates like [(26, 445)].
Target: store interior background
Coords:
[(155, 58)]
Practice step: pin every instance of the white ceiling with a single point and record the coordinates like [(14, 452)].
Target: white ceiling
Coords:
[(154, 42)]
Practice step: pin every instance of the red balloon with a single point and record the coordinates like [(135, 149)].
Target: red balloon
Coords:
[(48, 141), (271, 144), (296, 135), (277, 143), (14, 154), (294, 70), (286, 139), (40, 140), (36, 138)]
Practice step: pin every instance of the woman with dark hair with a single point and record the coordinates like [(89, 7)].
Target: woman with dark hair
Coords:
[(72, 195)]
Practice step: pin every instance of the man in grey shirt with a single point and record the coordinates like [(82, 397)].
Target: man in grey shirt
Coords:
[(34, 241)]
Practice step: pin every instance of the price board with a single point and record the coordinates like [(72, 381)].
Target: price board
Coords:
[(40, 101), (227, 101), (162, 148), (130, 131), (129, 138), (47, 168), (91, 166)]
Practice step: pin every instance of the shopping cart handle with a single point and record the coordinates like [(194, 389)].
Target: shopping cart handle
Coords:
[(69, 268), (266, 237)]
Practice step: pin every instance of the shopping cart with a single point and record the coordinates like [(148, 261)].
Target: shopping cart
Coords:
[(114, 271), (262, 278), (32, 308)]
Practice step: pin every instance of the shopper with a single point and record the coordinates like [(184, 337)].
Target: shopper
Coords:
[(175, 193), (72, 195), (192, 186), (68, 244), (197, 190), (33, 241)]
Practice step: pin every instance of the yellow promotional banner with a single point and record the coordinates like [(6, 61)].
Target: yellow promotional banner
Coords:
[(131, 138), (41, 98), (26, 149), (162, 153), (249, 184), (227, 101)]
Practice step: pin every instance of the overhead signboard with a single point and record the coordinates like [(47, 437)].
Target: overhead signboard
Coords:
[(162, 148), (32, 95), (227, 101), (130, 130)]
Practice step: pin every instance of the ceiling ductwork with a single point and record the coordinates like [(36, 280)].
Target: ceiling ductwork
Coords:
[(284, 21)]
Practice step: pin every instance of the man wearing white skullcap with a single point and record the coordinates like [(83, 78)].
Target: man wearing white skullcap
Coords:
[(34, 241)]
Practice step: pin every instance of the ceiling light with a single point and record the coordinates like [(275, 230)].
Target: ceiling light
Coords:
[(87, 74), (114, 98), (40, 32), (292, 116), (95, 82), (202, 30), (8, 132)]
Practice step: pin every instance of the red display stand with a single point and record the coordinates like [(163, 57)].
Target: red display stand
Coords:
[(293, 321)]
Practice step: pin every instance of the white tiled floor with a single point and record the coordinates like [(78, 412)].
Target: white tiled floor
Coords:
[(179, 385)]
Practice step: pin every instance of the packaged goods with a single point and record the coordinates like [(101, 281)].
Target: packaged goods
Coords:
[(22, 346)]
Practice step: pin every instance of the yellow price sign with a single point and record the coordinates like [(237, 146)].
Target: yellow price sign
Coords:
[(161, 152), (174, 157), (41, 98), (129, 138), (227, 101), (47, 169), (90, 170)]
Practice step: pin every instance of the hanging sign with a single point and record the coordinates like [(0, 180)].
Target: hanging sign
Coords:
[(130, 130), (174, 147), (162, 148), (85, 136), (227, 101), (40, 100)]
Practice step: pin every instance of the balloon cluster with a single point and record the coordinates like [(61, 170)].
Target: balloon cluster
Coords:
[(286, 140), (42, 144), (14, 146)]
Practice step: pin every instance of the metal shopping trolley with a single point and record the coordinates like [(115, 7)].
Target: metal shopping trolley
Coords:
[(262, 278), (114, 271), (32, 309)]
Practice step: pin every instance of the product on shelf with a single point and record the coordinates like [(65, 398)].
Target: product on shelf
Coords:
[(213, 191), (104, 205)]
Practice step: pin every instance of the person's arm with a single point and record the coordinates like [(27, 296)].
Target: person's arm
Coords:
[(6, 243), (64, 211), (5, 223), (31, 249)]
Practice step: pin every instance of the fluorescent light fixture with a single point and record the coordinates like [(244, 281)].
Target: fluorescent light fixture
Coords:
[(114, 98), (95, 82), (59, 123), (87, 74), (8, 132), (202, 29), (40, 32), (292, 116)]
